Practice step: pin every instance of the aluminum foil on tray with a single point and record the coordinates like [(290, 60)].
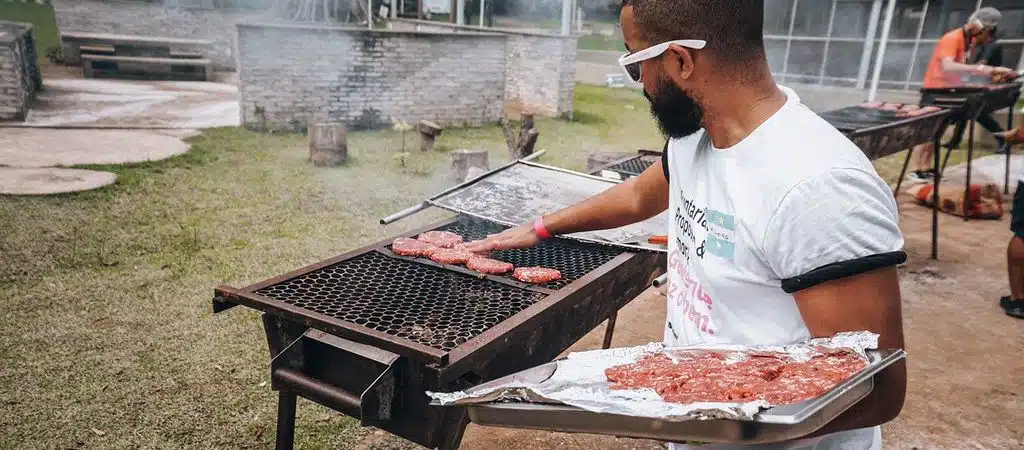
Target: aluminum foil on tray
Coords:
[(579, 380)]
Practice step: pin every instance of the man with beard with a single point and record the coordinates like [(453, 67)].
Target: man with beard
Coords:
[(779, 227)]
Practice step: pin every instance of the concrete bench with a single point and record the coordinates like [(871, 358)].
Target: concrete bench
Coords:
[(146, 68), (127, 45)]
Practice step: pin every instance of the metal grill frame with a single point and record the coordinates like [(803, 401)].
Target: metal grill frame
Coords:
[(615, 166), (878, 141), (461, 358)]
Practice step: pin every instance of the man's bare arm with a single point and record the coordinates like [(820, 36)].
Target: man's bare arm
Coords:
[(950, 65), (869, 301), (634, 200)]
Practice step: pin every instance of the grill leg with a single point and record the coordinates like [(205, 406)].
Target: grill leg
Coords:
[(935, 193), (903, 172), (970, 155), (453, 439), (285, 420), (609, 332), (945, 160), (1009, 126)]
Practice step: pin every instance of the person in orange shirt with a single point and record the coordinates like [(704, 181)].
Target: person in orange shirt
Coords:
[(948, 67)]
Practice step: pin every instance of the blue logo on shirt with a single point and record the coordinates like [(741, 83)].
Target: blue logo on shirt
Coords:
[(721, 227)]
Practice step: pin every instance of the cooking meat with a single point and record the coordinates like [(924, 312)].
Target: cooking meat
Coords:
[(456, 255), (536, 275), (707, 376), (411, 247), (488, 266), (871, 105), (443, 239), (890, 107)]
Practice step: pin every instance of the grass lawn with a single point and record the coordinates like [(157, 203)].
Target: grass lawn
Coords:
[(41, 17), (106, 334)]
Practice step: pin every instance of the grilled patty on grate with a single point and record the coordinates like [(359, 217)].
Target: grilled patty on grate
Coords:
[(451, 255), (536, 275), (488, 266), (443, 239), (411, 247)]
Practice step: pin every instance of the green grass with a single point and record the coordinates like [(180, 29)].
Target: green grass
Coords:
[(106, 320), (599, 42), (41, 17)]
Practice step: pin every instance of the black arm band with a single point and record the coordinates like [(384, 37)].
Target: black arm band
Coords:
[(839, 270), (664, 160)]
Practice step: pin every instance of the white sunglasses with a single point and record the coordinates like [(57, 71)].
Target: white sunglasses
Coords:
[(631, 61)]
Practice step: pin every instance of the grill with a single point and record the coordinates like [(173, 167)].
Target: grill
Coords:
[(628, 167), (970, 102), (367, 332)]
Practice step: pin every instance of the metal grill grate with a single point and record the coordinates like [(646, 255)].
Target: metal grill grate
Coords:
[(634, 166), (425, 304), (574, 259)]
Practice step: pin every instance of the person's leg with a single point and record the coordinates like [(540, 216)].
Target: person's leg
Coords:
[(1014, 305), (922, 168), (992, 126)]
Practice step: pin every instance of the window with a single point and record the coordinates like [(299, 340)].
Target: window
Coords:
[(776, 16)]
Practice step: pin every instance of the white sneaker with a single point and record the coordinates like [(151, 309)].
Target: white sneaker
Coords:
[(919, 177)]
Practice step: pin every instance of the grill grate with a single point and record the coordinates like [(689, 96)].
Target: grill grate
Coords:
[(574, 259), (634, 166), (425, 304)]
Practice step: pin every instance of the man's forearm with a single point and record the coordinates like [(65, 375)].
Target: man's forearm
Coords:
[(632, 201)]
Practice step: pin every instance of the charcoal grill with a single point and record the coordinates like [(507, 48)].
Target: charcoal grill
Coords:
[(881, 133), (628, 167), (969, 102), (368, 332)]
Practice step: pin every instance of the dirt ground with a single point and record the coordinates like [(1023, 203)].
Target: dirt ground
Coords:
[(965, 354)]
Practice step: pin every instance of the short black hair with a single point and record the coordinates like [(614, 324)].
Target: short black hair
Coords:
[(733, 29)]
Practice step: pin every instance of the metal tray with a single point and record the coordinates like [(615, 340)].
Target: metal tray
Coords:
[(771, 425)]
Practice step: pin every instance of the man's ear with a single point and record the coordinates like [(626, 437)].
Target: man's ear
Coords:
[(678, 64)]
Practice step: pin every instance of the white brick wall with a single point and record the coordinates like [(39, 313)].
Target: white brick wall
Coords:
[(155, 19), (290, 76)]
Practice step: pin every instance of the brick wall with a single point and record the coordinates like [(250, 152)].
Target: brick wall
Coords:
[(291, 75), (540, 67), (19, 70), (156, 19)]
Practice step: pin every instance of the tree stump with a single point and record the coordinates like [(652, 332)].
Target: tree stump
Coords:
[(522, 145), (468, 164), (595, 160), (328, 144), (429, 131)]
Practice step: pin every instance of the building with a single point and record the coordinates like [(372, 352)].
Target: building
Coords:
[(838, 42)]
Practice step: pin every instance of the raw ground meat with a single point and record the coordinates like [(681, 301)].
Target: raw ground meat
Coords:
[(443, 239), (456, 255), (536, 275), (488, 266), (706, 376), (411, 247)]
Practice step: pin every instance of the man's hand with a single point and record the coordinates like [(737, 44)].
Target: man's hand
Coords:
[(522, 236)]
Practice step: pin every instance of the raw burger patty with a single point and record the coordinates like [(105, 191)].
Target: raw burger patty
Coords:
[(443, 239), (536, 275), (411, 247), (487, 265), (451, 255)]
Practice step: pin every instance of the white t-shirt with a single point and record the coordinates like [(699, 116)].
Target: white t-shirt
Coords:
[(793, 196)]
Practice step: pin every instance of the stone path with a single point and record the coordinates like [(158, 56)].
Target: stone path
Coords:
[(27, 147)]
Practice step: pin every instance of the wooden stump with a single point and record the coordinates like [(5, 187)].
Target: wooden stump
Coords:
[(595, 160), (468, 164), (522, 145), (429, 131), (328, 146)]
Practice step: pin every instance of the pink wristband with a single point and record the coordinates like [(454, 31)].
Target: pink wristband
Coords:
[(539, 228)]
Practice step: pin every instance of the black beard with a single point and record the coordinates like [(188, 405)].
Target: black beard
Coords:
[(677, 113)]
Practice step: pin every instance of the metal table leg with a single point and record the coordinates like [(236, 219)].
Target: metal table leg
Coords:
[(903, 172), (608, 332), (285, 420)]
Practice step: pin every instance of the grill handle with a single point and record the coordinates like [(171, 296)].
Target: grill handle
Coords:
[(319, 391), (660, 281)]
